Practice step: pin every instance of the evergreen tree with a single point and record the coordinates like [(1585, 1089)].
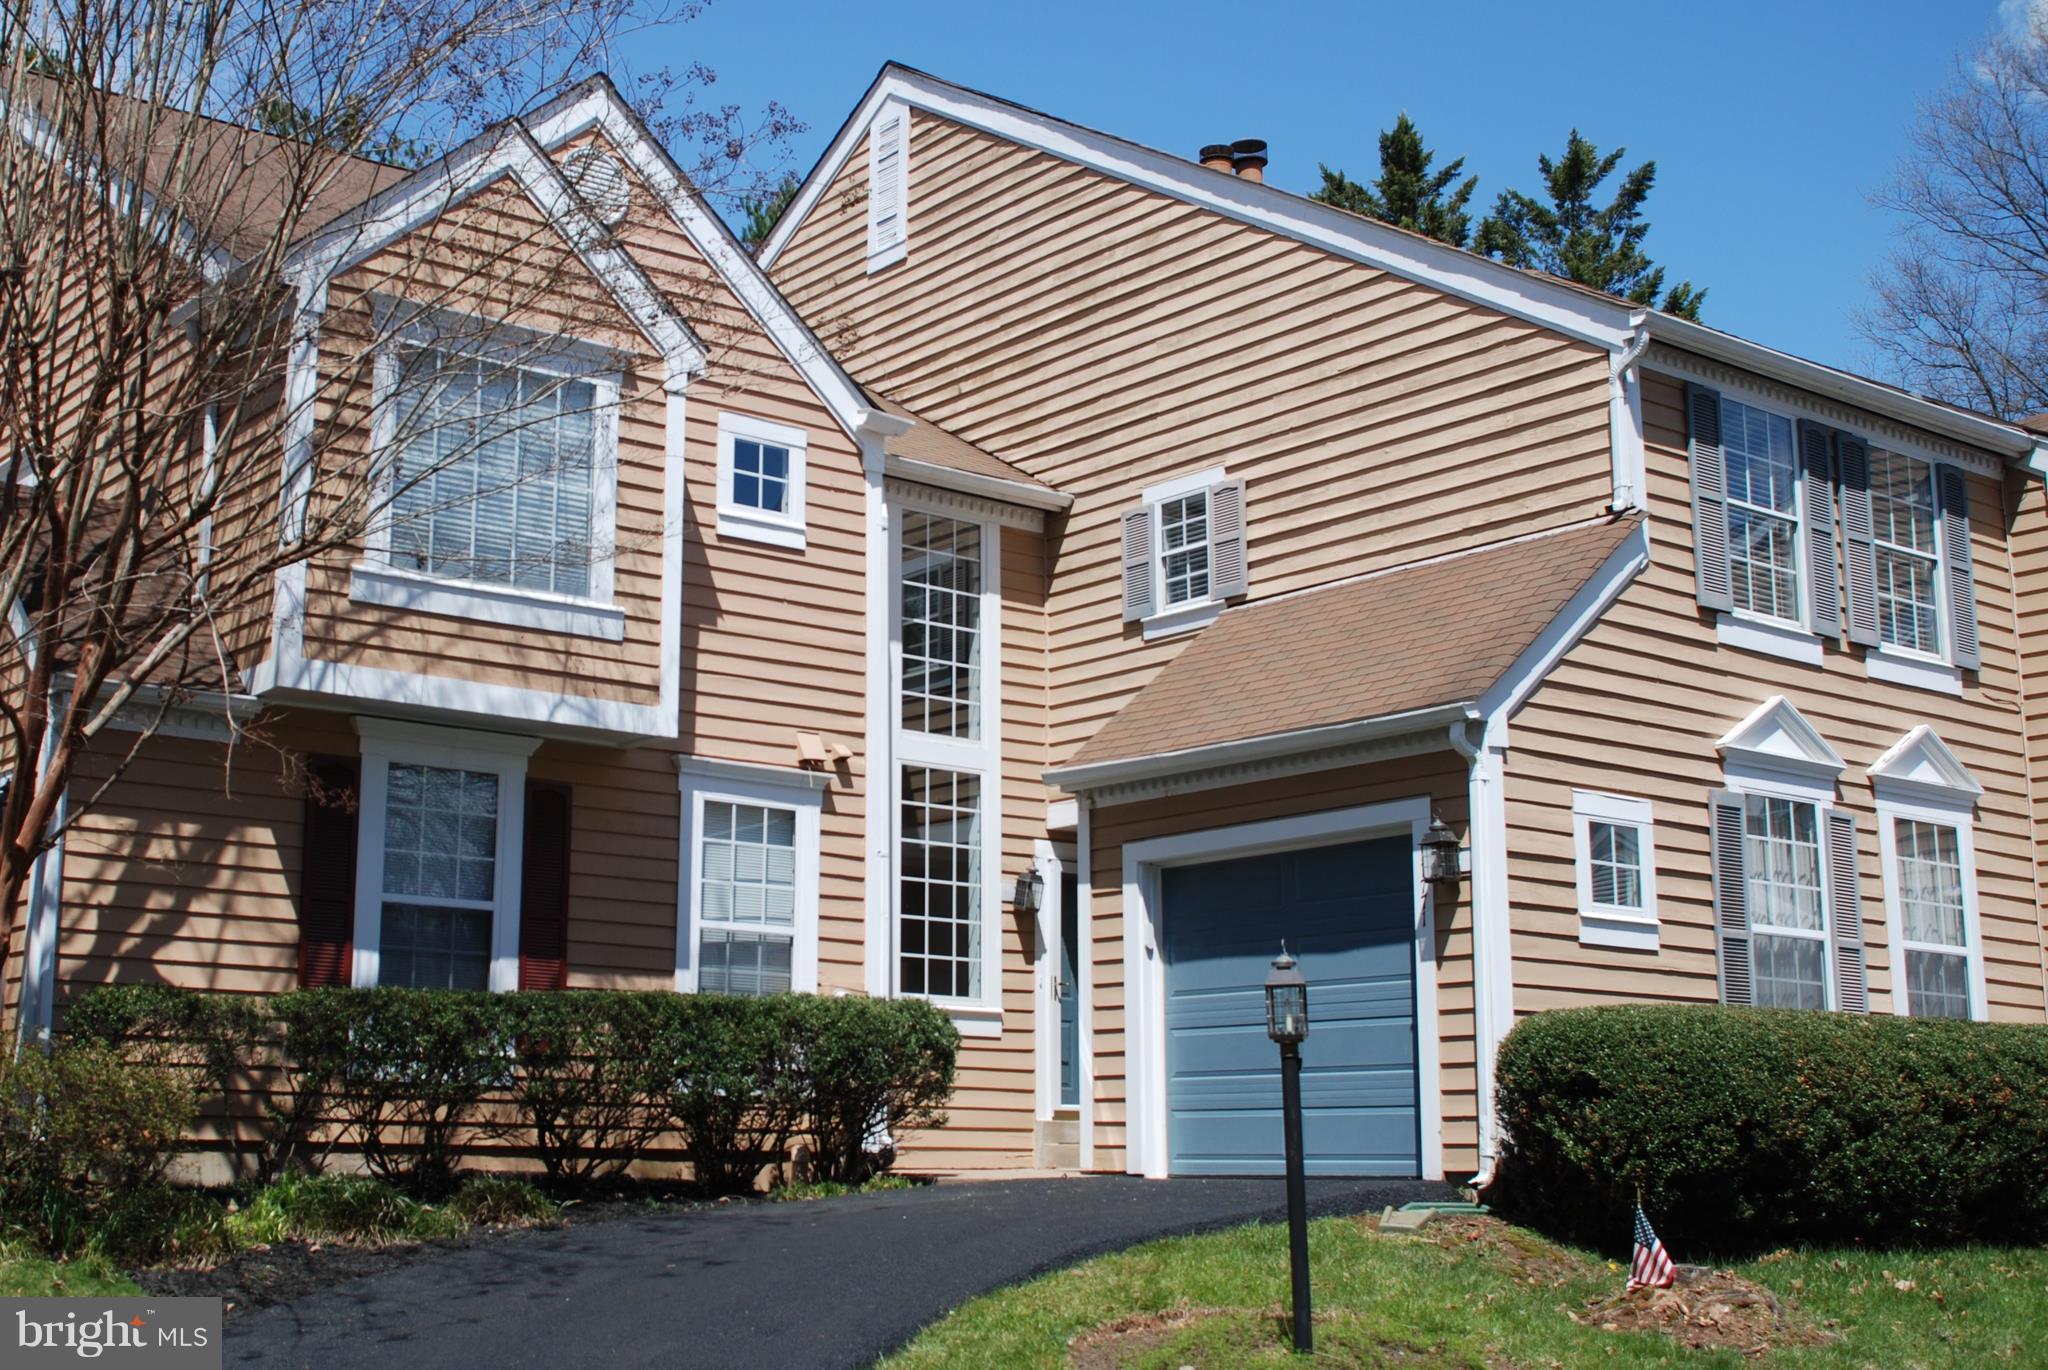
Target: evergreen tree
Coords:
[(763, 212), (1407, 192), (1569, 237)]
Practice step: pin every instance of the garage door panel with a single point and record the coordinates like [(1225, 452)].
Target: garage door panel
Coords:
[(1345, 912)]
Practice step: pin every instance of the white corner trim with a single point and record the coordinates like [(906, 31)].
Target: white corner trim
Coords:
[(879, 770), (386, 743), (1614, 925), (1891, 809), (1181, 618), (702, 779), (1769, 636), (1084, 927), (1569, 310), (1145, 966), (1897, 667), (537, 611), (736, 520)]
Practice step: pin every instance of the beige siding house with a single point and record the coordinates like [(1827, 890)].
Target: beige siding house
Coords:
[(1050, 578)]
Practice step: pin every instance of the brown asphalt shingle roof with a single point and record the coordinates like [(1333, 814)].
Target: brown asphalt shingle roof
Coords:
[(936, 446), (1393, 643)]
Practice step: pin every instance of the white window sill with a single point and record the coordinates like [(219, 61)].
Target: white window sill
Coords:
[(1921, 670), (971, 1020), (751, 525), (1770, 636), (888, 256), (1626, 931), (1182, 618), (535, 610)]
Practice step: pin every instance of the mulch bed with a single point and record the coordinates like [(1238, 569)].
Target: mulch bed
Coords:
[(282, 1272)]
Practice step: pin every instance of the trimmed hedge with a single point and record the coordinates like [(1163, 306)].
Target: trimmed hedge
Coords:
[(1748, 1129), (585, 1081)]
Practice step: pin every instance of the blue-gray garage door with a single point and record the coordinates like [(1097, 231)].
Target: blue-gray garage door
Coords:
[(1346, 912)]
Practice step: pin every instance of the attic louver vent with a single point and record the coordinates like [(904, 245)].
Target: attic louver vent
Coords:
[(601, 181)]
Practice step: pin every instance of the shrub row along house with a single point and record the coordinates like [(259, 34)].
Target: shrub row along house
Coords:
[(1039, 514)]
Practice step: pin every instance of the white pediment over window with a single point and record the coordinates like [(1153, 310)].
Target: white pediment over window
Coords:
[(1920, 766), (1777, 743)]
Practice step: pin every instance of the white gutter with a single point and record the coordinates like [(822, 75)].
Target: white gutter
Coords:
[(1625, 421), (1159, 765), (1493, 1005)]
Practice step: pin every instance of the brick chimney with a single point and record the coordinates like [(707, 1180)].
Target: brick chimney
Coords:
[(1216, 157), (1248, 158)]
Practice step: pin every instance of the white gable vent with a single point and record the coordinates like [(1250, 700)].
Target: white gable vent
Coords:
[(602, 183)]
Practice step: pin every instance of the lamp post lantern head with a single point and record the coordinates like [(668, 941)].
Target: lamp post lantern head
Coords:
[(1286, 1002), (1440, 853), (1030, 889)]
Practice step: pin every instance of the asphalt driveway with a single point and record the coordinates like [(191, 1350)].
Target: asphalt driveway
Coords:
[(832, 1283)]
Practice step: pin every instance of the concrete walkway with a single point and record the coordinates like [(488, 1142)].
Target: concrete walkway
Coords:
[(831, 1283)]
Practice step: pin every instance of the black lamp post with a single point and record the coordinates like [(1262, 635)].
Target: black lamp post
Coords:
[(1287, 1024)]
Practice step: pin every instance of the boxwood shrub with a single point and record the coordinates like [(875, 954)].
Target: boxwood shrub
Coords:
[(1748, 1129), (586, 1082)]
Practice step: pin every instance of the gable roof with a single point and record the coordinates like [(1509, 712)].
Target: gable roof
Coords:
[(1419, 644), (937, 456), (1549, 301)]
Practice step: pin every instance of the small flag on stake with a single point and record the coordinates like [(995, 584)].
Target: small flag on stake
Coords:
[(1651, 1268)]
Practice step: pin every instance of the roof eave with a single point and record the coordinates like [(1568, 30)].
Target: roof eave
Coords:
[(974, 483), (1164, 765)]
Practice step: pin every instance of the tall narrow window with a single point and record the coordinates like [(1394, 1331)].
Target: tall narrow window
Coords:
[(1184, 548), (1907, 560), (440, 877), (1787, 909), (494, 477), (939, 927), (1763, 510), (1930, 875), (942, 627), (747, 911)]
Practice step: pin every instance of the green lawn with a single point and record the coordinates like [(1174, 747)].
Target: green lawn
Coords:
[(1441, 1299), (25, 1274)]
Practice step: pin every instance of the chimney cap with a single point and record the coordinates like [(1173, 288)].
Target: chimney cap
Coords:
[(1212, 151), (1248, 147)]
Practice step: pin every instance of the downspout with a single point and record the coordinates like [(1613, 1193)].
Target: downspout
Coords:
[(1492, 955), (1624, 419)]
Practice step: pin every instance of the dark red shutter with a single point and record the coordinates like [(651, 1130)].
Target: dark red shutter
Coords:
[(544, 889), (327, 875)]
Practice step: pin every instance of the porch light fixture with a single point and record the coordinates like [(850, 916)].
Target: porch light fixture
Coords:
[(1029, 890), (1442, 857), (1287, 1024)]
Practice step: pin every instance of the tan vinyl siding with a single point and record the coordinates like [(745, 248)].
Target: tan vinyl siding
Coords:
[(1441, 776), (1104, 337), (1636, 708)]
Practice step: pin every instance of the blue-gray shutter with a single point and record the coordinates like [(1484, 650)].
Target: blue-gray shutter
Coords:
[(1859, 552), (1954, 490), (1817, 488), (1137, 562), (1709, 497), (1845, 914), (1731, 898), (1226, 540)]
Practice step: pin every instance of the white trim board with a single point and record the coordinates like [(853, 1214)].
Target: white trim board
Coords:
[(1145, 966)]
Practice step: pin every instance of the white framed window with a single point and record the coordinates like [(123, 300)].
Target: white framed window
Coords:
[(760, 481), (1184, 551), (1762, 458), (496, 459), (1906, 552), (747, 919), (1787, 901), (1615, 842), (889, 186), (941, 613), (1926, 804), (439, 837), (943, 939)]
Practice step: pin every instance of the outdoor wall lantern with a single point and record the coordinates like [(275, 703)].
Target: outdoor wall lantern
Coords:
[(1442, 855), (1287, 1024), (1029, 890)]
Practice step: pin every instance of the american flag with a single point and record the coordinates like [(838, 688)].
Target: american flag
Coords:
[(1651, 1268)]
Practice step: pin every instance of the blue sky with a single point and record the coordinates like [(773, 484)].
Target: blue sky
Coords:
[(1771, 123)]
